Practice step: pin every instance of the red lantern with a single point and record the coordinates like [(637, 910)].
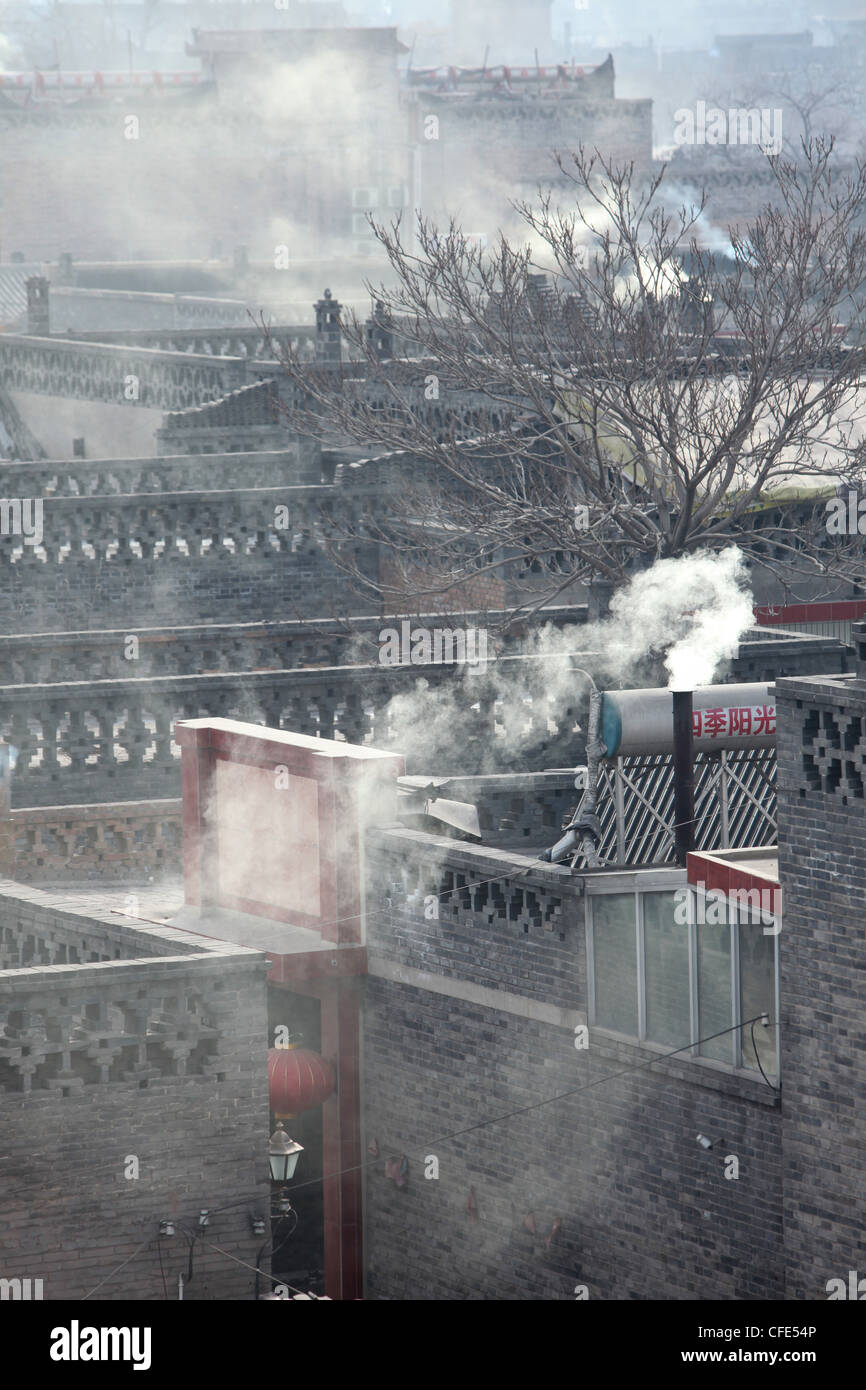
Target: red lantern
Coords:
[(297, 1080)]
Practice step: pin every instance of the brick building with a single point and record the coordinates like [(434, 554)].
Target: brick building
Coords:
[(645, 1148), (626, 1186), (486, 136), (273, 133), (455, 987), (132, 1093), (821, 857)]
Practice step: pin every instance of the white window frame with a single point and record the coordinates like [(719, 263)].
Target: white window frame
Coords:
[(669, 880)]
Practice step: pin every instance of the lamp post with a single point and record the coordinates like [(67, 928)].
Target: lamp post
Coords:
[(283, 1154)]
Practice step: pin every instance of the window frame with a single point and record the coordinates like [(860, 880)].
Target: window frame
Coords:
[(638, 885)]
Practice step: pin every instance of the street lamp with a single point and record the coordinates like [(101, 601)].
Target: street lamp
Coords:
[(283, 1155)]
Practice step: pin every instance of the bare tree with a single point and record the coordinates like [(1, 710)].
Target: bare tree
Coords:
[(624, 410), (815, 101)]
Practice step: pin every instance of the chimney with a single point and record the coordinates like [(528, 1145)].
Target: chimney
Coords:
[(379, 332), (598, 597), (684, 776), (328, 341), (38, 307), (65, 274)]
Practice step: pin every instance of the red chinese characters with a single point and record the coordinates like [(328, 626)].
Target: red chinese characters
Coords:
[(765, 719), (715, 722), (739, 721)]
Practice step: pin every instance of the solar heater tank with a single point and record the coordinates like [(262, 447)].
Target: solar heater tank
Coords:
[(724, 716)]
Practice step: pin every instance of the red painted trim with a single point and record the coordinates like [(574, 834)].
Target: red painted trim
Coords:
[(195, 774), (317, 965), (715, 874), (317, 769), (843, 611), (345, 778), (330, 865), (341, 1143), (351, 1214)]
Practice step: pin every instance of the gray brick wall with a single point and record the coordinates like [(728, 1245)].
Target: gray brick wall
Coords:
[(821, 767), (68, 1213), (487, 1028), (644, 1212)]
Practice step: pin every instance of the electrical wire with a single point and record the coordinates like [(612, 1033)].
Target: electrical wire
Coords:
[(441, 1139), (127, 1261), (506, 1115), (161, 1268), (254, 1268), (758, 1059), (275, 1250), (537, 1105)]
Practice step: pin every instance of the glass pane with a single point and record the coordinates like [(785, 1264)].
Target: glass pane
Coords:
[(666, 962), (714, 988), (758, 992), (613, 940)]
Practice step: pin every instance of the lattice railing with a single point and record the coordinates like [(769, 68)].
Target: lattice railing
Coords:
[(735, 804)]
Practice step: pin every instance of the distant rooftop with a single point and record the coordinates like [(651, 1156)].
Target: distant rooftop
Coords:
[(282, 42), (798, 40), (513, 80)]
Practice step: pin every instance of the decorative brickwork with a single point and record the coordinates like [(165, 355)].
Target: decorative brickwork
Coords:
[(96, 372), (822, 867), (145, 1048), (470, 1015), (102, 841)]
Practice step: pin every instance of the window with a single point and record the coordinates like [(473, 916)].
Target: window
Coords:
[(757, 991), (615, 962), (715, 1002), (669, 967), (666, 970)]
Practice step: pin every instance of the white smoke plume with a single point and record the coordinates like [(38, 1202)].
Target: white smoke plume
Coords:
[(686, 613), (8, 53), (694, 609), (709, 236)]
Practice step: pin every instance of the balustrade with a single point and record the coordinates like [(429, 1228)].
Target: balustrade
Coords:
[(113, 740), (78, 478), (246, 342), (108, 1017), (117, 375)]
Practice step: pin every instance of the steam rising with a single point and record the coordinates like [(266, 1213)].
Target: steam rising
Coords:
[(694, 609), (685, 614)]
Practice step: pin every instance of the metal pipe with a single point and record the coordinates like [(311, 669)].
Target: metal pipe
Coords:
[(583, 835), (684, 776)]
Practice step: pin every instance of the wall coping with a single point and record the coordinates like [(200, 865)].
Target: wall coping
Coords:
[(8, 467), (173, 947), (300, 627), (74, 346), (459, 855), (99, 810)]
